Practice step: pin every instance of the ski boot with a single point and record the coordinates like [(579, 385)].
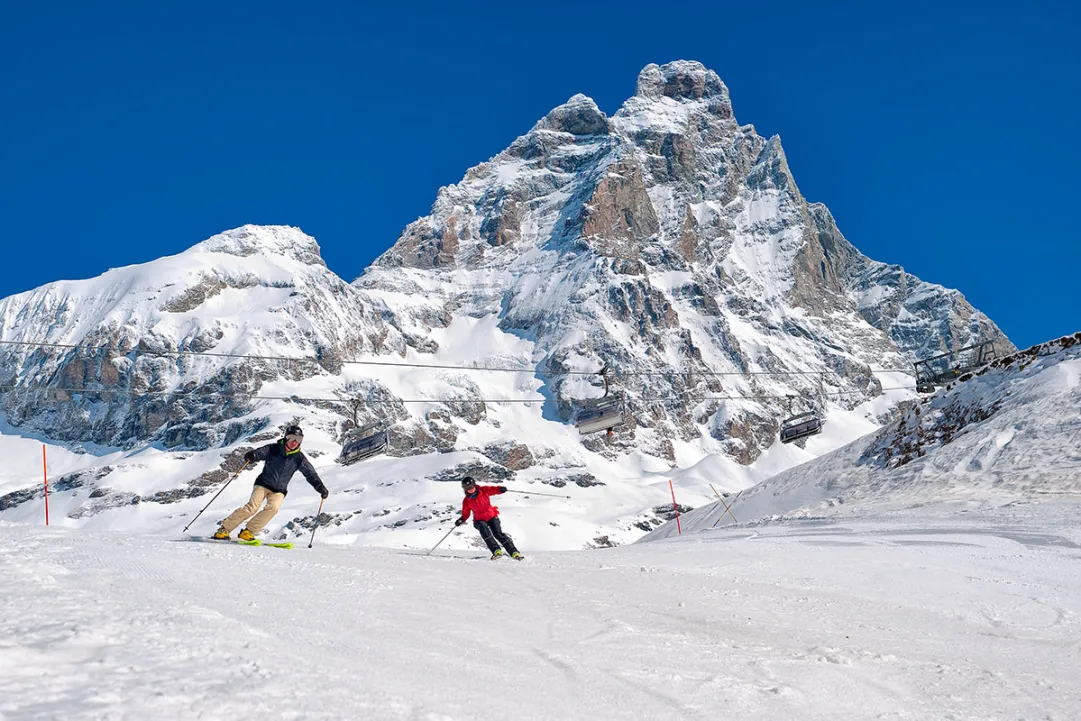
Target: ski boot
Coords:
[(517, 556), (246, 535), (221, 534), (498, 554)]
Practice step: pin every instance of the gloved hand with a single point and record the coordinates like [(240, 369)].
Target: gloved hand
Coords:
[(324, 494), (502, 489), (249, 456), (459, 522)]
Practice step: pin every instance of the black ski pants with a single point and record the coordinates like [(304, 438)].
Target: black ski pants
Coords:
[(493, 535)]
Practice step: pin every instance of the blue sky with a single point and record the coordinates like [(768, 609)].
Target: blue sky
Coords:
[(942, 138)]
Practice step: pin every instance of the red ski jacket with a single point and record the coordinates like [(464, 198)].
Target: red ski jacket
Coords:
[(479, 505)]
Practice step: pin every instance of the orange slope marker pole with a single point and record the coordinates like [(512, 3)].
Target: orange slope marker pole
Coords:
[(675, 508), (45, 474)]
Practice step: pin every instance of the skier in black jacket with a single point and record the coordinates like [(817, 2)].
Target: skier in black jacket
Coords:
[(283, 459)]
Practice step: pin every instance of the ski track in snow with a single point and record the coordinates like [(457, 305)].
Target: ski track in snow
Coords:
[(936, 614)]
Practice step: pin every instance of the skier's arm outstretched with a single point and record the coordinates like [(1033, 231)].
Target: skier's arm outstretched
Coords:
[(482, 491)]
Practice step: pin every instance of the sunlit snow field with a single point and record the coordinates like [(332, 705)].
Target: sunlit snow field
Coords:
[(951, 612)]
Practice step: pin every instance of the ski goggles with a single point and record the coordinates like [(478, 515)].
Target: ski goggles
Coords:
[(293, 438)]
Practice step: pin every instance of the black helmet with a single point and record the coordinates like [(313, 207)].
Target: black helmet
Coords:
[(468, 481), (293, 433)]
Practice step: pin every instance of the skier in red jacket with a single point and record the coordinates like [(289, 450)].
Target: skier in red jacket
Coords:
[(486, 517)]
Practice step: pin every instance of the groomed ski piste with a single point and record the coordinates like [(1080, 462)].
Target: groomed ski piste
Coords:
[(945, 613), (855, 586)]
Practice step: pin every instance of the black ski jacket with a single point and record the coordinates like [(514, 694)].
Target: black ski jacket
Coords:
[(280, 467)]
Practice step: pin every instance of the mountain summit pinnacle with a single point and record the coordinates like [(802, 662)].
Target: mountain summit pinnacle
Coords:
[(282, 240), (578, 116), (687, 79), (670, 244)]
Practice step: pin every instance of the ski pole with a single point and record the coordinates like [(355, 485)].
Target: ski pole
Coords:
[(441, 540), (215, 496), (317, 522), (534, 493)]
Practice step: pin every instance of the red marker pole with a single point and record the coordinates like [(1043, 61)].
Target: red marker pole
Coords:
[(675, 507), (45, 473)]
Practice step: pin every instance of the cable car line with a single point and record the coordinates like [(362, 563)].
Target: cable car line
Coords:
[(429, 366), (312, 399)]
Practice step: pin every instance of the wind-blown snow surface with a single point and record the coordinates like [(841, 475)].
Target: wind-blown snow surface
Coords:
[(928, 615), (1009, 433)]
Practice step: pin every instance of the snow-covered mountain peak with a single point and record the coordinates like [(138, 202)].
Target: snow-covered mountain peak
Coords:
[(578, 116), (668, 238), (681, 79), (267, 240), (239, 297), (669, 97)]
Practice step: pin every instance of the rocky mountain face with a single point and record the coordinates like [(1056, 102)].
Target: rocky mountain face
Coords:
[(669, 242), (666, 243), (253, 291)]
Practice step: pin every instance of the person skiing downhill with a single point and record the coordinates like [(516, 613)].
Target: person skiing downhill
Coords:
[(486, 517), (282, 459)]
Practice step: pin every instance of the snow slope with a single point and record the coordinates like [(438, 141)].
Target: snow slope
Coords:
[(1008, 433), (387, 501), (922, 616)]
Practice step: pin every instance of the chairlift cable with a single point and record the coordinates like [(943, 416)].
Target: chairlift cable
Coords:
[(429, 366), (311, 399)]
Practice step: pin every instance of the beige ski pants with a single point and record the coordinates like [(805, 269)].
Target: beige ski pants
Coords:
[(258, 495)]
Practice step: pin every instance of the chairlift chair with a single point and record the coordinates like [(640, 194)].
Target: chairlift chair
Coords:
[(946, 367), (363, 443), (801, 426), (604, 414)]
